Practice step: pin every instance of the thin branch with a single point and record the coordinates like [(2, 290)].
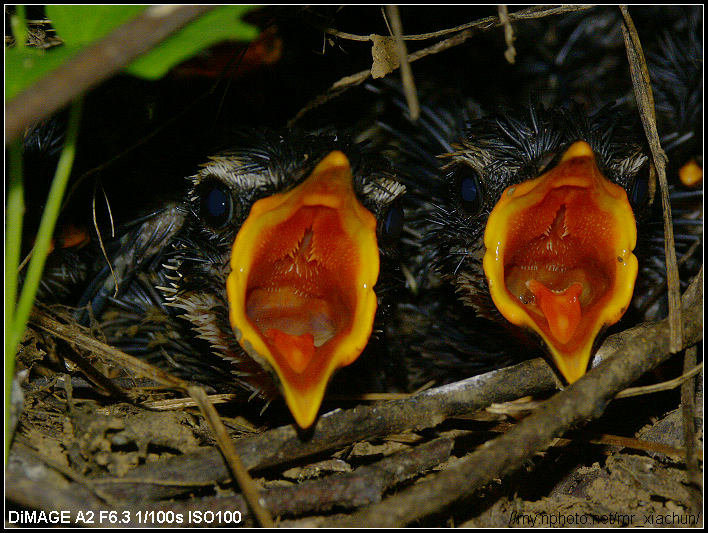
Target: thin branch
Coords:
[(688, 408), (645, 101), (226, 445), (486, 23), (510, 52), (406, 73), (660, 387)]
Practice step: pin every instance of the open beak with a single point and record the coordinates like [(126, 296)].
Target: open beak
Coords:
[(559, 256), (301, 288)]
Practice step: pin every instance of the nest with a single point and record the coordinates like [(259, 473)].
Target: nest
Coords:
[(102, 438)]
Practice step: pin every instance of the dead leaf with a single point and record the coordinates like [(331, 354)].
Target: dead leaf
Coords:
[(383, 52)]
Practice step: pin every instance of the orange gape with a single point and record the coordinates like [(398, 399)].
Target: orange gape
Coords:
[(303, 269), (559, 256)]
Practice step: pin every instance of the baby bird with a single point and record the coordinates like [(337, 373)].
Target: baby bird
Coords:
[(276, 262), (533, 219)]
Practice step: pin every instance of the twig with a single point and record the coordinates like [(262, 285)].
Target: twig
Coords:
[(485, 23), (76, 337), (95, 64), (406, 72), (352, 80), (645, 101), (364, 486), (659, 387), (688, 394), (626, 442), (239, 472), (510, 52), (585, 399)]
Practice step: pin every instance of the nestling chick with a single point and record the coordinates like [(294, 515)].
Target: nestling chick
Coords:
[(275, 262), (534, 224)]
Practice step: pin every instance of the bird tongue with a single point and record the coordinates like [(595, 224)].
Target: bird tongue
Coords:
[(295, 323), (561, 308), (297, 349)]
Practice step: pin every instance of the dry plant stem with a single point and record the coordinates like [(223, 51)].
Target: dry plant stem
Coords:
[(485, 23), (406, 73), (363, 486), (645, 102), (347, 82), (95, 64), (510, 53), (583, 400), (226, 445), (76, 337), (663, 386), (625, 442), (688, 394)]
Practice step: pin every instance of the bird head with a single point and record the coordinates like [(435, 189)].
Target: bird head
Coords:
[(280, 259), (539, 225)]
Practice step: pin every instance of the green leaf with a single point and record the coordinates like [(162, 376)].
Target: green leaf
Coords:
[(24, 66), (222, 23), (78, 26), (82, 25)]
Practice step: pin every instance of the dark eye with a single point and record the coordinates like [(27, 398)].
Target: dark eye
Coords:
[(392, 223), (468, 190), (216, 204), (640, 190)]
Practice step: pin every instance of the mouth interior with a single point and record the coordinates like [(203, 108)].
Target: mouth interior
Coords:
[(560, 262), (297, 295)]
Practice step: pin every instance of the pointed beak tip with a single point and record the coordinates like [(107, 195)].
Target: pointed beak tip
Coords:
[(572, 370), (304, 409)]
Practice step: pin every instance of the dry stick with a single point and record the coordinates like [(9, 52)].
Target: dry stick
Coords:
[(226, 445), (585, 399), (30, 454), (365, 485), (76, 337), (663, 386), (406, 71), (625, 442), (510, 52), (95, 64), (688, 394), (486, 23), (44, 494), (645, 101)]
